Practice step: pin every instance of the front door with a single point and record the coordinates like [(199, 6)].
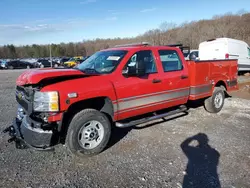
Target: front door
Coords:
[(138, 95)]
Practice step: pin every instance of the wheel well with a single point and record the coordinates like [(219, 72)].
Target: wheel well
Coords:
[(221, 83), (103, 104)]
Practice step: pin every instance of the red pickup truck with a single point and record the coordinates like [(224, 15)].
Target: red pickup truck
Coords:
[(114, 87)]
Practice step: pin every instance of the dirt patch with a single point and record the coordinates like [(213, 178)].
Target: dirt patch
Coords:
[(243, 92)]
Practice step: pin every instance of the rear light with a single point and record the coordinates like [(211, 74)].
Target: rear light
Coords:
[(226, 56)]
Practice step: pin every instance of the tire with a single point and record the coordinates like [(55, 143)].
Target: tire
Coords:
[(215, 103), (80, 127)]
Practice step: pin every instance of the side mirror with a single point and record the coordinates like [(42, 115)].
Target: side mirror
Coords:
[(135, 69)]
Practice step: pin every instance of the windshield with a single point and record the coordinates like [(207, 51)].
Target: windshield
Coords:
[(103, 62)]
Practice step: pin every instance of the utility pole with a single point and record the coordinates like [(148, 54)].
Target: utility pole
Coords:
[(50, 55)]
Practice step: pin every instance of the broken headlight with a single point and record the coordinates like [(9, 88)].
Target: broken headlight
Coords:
[(46, 101)]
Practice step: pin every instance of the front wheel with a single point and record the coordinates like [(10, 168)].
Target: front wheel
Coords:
[(215, 103), (88, 133)]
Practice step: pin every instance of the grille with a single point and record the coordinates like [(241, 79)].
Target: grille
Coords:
[(25, 91), (24, 97)]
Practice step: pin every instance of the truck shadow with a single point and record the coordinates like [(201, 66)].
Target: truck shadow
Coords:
[(119, 133), (201, 170), (159, 122)]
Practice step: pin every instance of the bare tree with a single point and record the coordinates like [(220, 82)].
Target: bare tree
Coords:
[(188, 33)]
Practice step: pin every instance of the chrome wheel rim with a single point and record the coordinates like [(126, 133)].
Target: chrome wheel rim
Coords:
[(91, 134), (218, 100)]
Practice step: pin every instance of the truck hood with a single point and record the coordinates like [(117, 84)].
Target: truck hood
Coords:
[(35, 76)]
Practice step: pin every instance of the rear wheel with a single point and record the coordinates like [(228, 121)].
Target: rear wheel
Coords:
[(88, 133), (215, 103)]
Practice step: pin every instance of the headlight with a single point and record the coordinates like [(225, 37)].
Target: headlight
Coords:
[(46, 101)]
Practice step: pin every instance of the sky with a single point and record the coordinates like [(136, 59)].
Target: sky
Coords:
[(25, 22)]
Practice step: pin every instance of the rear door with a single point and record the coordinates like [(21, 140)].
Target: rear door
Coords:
[(139, 95), (174, 76)]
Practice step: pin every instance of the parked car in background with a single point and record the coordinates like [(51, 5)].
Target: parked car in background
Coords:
[(43, 63), (226, 48), (191, 54), (2, 64), (73, 61), (194, 55), (63, 60), (17, 64)]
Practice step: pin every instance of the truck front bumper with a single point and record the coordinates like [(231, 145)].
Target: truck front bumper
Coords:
[(26, 134)]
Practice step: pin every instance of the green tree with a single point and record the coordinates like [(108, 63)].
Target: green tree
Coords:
[(12, 51)]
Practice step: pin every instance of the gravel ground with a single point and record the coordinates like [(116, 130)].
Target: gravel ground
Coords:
[(243, 79), (146, 156)]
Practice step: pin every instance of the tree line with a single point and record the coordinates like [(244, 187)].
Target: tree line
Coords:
[(189, 33)]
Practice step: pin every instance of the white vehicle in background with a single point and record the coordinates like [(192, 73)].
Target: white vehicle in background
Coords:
[(193, 54), (226, 48)]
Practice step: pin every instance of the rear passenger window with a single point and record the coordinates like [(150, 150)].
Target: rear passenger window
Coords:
[(248, 52), (170, 60)]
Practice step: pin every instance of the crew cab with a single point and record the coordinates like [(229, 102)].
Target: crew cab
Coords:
[(120, 86)]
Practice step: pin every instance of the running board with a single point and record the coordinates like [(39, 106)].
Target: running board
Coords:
[(147, 119)]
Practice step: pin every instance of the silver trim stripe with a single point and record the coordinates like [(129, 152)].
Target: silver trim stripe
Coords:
[(200, 89), (151, 100), (153, 104), (198, 95), (147, 100)]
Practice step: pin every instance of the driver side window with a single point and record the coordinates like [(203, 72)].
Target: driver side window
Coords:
[(147, 57)]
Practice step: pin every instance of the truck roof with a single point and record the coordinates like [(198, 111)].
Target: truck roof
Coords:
[(131, 48)]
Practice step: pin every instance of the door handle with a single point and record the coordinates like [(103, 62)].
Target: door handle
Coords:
[(156, 81), (184, 76)]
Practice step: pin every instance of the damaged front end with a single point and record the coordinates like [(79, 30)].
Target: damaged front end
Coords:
[(31, 128)]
